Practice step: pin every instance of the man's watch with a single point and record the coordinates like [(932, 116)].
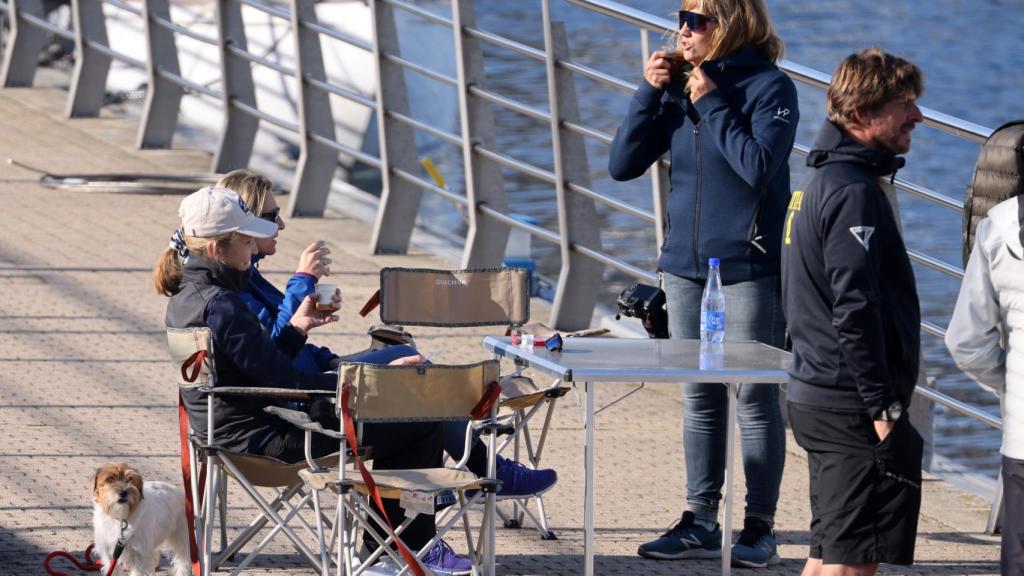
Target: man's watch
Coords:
[(890, 414)]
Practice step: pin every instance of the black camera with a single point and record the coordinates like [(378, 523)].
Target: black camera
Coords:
[(647, 303)]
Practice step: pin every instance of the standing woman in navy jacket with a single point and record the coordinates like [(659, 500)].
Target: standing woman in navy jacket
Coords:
[(729, 123)]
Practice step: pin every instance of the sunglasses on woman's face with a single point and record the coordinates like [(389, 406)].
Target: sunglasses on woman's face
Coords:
[(272, 215), (695, 22)]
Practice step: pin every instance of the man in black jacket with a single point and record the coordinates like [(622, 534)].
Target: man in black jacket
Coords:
[(852, 309)]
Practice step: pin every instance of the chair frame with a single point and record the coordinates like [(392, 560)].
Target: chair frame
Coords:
[(209, 494)]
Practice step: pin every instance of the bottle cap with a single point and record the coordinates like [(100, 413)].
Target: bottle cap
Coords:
[(713, 262)]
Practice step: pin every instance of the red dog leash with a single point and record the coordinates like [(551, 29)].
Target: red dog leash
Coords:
[(90, 565)]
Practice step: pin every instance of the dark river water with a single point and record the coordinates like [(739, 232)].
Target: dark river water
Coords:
[(974, 69)]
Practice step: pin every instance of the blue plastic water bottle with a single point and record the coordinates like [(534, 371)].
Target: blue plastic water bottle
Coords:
[(712, 306)]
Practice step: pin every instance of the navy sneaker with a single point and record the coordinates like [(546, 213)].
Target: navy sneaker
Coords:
[(441, 559), (518, 481), (687, 539), (756, 547)]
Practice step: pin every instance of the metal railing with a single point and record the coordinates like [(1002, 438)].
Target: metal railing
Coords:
[(582, 257)]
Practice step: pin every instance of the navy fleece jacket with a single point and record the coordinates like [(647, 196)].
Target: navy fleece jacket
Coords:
[(730, 171)]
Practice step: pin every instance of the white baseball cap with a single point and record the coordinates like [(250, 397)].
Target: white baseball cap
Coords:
[(212, 212)]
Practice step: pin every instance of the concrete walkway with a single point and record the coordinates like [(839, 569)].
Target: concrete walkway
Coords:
[(85, 377)]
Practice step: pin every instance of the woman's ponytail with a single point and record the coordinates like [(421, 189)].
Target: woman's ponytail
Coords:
[(167, 273)]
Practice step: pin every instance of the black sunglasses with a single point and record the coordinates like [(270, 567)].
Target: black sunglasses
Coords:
[(272, 215), (696, 22), (554, 343)]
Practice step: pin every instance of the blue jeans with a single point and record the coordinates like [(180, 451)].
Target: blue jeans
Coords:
[(753, 312)]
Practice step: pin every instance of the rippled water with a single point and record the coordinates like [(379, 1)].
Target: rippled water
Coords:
[(973, 66)]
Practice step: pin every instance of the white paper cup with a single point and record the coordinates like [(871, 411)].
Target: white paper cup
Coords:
[(324, 293)]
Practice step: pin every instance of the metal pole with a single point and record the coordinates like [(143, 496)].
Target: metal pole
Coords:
[(399, 200), (239, 133), (163, 97), (732, 391), (659, 175), (580, 277), (89, 80), (24, 43), (317, 162), (485, 239), (588, 482)]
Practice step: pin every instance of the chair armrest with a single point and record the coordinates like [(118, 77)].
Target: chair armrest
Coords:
[(275, 393), (302, 420)]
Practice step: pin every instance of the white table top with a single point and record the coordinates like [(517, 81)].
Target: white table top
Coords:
[(650, 360)]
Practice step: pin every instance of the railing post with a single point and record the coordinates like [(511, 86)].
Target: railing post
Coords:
[(89, 80), (317, 162), (485, 239), (24, 43), (659, 175), (399, 200), (580, 276), (239, 133), (163, 97)]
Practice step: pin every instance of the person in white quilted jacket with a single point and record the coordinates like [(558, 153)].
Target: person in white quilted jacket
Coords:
[(986, 338)]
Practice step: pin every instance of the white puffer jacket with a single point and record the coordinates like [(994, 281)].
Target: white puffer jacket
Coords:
[(986, 333)]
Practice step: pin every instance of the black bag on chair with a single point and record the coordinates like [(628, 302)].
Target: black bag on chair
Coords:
[(647, 303)]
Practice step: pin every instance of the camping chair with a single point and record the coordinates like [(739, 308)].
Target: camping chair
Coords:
[(371, 393), (479, 297), (206, 468)]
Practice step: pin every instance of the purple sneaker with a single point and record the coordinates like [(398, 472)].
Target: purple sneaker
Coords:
[(443, 560), (518, 481)]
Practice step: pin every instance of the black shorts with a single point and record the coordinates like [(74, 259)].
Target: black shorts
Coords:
[(865, 495)]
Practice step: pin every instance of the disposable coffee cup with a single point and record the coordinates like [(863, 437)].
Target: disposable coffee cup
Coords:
[(324, 293)]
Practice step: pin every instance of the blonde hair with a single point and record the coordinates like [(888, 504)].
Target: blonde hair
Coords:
[(167, 271), (250, 186), (867, 81), (739, 22)]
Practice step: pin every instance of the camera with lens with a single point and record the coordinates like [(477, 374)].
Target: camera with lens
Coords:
[(647, 303)]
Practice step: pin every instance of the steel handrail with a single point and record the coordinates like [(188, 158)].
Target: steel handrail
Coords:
[(188, 84), (124, 6), (932, 118), (268, 9), (337, 35), (908, 187), (338, 90), (368, 159), (46, 25), (416, 10), (430, 187), (507, 161), (407, 64), (179, 29), (256, 59), (104, 49), (424, 127), (261, 115)]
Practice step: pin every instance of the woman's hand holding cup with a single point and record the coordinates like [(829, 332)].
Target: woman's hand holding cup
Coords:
[(308, 317), (328, 297), (658, 70), (314, 260)]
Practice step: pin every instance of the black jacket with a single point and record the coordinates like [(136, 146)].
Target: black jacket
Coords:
[(244, 354), (730, 164), (848, 289)]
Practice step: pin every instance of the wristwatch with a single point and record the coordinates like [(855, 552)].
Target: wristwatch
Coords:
[(890, 414)]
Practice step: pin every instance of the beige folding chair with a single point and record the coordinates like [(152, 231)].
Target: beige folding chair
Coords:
[(371, 393), (480, 297), (192, 353)]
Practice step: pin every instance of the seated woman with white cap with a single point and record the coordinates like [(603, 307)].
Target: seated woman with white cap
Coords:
[(202, 273)]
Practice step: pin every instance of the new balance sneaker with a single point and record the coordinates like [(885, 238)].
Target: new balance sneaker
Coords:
[(518, 481), (756, 546), (687, 539), (441, 559)]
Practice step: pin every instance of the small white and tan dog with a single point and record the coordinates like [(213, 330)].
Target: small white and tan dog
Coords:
[(155, 519)]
